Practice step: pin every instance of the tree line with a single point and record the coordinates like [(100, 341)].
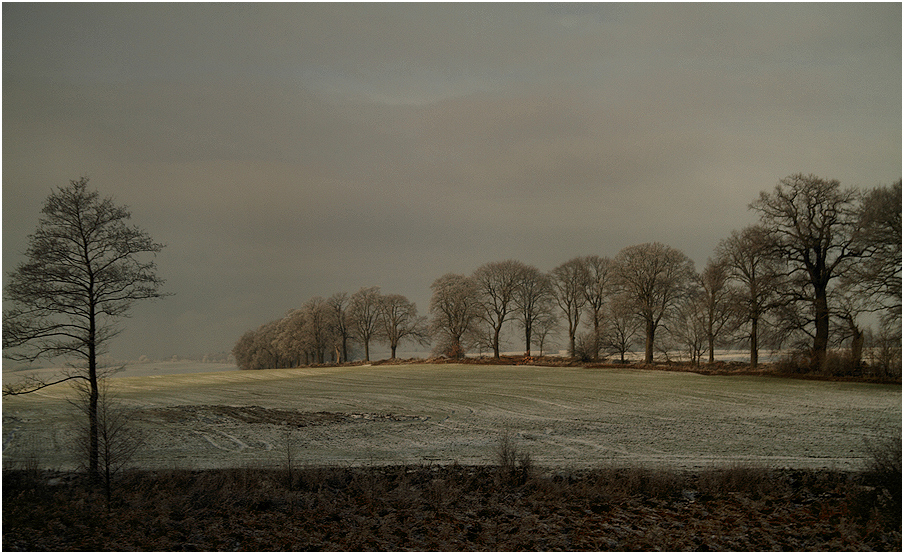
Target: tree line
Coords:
[(323, 330), (820, 258)]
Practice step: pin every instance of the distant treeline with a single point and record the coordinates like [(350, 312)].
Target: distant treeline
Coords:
[(821, 259)]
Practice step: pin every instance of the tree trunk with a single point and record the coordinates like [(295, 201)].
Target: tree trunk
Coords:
[(571, 344), (393, 349), (712, 348), (94, 394), (496, 341), (596, 337), (821, 338), (527, 333), (856, 344), (651, 330), (366, 350), (754, 346)]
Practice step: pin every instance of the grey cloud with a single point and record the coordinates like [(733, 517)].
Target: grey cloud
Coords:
[(291, 150)]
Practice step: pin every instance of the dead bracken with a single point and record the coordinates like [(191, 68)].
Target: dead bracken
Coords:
[(454, 508)]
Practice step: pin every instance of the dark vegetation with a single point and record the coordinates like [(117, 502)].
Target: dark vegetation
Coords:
[(510, 506), (792, 367)]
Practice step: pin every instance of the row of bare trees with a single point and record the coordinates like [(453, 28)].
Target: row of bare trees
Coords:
[(821, 259), (618, 297), (324, 330), (470, 311), (819, 262)]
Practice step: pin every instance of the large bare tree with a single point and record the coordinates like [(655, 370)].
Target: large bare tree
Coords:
[(534, 300), (363, 313), (813, 223), (748, 256), (84, 269), (569, 281), (455, 312), (496, 284), (654, 277), (398, 320), (877, 277)]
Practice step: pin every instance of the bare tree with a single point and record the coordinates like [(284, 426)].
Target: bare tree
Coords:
[(813, 223), (534, 300), (848, 306), (496, 283), (259, 349), (884, 352), (398, 320), (118, 438), (597, 289), (748, 257), (294, 342), (717, 299), (363, 311), (545, 325), (243, 351), (82, 275), (873, 285), (687, 323), (624, 325), (878, 234), (655, 277), (569, 282), (339, 320), (455, 312), (318, 329)]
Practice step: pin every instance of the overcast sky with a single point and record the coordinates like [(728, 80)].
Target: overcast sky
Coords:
[(283, 151)]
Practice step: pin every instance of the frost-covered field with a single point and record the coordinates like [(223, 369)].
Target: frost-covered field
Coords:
[(565, 417)]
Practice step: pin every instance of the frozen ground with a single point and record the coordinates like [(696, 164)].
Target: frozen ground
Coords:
[(565, 417)]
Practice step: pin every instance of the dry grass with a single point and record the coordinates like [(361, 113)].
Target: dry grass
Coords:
[(452, 508)]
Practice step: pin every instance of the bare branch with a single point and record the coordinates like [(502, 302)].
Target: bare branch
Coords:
[(33, 384)]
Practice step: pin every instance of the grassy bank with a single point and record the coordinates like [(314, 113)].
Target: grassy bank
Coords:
[(509, 506)]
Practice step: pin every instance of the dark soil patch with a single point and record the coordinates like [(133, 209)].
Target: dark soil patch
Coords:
[(258, 414), (452, 508)]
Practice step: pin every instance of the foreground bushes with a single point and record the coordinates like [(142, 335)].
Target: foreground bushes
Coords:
[(453, 508)]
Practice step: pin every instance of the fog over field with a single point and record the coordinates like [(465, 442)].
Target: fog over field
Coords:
[(564, 417), (291, 150)]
